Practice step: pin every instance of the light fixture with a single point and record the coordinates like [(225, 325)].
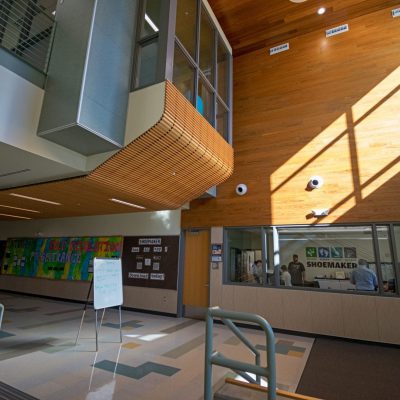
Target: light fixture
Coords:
[(35, 199), (321, 10), (151, 23), (18, 208), (298, 1), (127, 204), (320, 212), (14, 216)]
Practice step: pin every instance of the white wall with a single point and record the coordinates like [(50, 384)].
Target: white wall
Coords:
[(20, 106), (135, 224)]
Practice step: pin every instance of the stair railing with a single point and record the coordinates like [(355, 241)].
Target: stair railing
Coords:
[(27, 31), (241, 368)]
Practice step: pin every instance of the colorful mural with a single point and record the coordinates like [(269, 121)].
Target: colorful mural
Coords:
[(58, 258)]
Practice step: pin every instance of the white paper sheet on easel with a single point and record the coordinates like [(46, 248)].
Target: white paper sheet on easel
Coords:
[(107, 283)]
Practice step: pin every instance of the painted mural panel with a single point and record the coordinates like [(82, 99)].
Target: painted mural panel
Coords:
[(69, 258)]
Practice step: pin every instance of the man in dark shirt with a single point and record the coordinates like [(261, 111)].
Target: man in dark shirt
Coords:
[(297, 271)]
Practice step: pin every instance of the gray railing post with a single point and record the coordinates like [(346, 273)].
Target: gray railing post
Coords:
[(207, 359), (1, 314), (24, 32), (242, 368)]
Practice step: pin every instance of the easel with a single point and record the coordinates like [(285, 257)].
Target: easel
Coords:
[(97, 326), (84, 312)]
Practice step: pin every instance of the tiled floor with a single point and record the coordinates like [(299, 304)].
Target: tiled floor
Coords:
[(159, 357)]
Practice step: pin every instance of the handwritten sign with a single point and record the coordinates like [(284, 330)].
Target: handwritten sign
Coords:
[(107, 283)]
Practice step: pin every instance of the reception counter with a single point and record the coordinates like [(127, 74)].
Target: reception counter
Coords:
[(334, 284)]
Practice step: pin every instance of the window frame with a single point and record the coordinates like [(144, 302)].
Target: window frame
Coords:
[(218, 39), (273, 260)]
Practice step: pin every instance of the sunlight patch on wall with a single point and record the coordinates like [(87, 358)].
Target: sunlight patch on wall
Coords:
[(326, 155), (307, 160), (164, 217), (381, 177), (376, 95), (355, 155), (376, 122)]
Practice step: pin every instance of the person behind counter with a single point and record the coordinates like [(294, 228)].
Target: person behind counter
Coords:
[(363, 277), (297, 271), (285, 276), (256, 270)]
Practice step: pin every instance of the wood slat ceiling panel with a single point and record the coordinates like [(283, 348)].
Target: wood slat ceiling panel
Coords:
[(175, 161)]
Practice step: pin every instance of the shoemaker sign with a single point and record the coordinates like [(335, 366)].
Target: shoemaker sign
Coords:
[(331, 257), (150, 261)]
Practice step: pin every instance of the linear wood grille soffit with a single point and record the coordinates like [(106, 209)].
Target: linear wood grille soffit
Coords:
[(175, 161)]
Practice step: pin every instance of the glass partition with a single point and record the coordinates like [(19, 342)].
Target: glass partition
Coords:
[(147, 50), (201, 43), (151, 21), (222, 120), (181, 41), (247, 255), (223, 71), (244, 253), (204, 102), (326, 257), (183, 77), (207, 47), (396, 230), (186, 25), (352, 259), (147, 63), (388, 274)]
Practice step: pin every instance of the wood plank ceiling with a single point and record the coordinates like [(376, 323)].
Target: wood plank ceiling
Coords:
[(253, 24), (173, 162)]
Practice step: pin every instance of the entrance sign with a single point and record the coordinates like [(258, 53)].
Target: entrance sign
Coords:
[(107, 282)]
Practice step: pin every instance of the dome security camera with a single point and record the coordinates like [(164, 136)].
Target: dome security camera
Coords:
[(241, 189), (315, 182)]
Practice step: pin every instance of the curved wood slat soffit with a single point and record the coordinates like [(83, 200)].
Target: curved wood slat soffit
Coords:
[(173, 162)]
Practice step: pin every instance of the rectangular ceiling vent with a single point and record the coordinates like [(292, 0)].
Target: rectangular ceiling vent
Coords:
[(14, 172), (396, 12), (278, 49), (337, 30)]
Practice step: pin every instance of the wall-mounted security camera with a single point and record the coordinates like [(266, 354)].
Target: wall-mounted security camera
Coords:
[(241, 189), (315, 182)]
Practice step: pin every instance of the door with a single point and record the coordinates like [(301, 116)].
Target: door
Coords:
[(196, 269)]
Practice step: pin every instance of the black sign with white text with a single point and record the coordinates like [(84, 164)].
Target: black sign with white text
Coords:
[(151, 261)]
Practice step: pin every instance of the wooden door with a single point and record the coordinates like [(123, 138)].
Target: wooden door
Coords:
[(196, 268)]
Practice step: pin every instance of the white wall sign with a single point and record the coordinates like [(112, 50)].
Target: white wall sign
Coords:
[(337, 30), (278, 49), (396, 12)]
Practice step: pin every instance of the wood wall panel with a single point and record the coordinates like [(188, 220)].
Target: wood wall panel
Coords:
[(253, 24), (327, 107)]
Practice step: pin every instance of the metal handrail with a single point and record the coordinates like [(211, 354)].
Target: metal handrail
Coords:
[(27, 31), (214, 357), (1, 314)]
